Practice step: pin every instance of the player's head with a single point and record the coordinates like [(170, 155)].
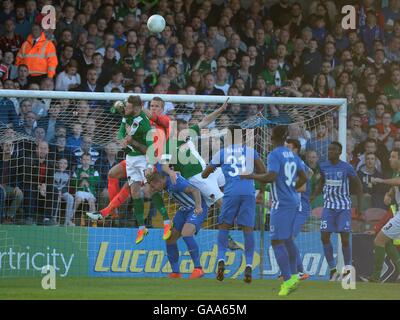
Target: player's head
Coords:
[(394, 159), (334, 151), (156, 181), (62, 164), (294, 145), (86, 159), (156, 106), (279, 135), (133, 106)]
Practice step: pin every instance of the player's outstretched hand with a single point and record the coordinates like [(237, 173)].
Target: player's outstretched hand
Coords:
[(376, 180), (198, 210)]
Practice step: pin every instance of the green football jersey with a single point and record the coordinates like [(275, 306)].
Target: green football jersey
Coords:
[(93, 180), (140, 127), (184, 156)]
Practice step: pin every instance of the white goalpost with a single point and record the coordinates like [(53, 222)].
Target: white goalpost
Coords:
[(110, 248)]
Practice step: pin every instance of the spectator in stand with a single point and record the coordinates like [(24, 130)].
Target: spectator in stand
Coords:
[(59, 150), (40, 194), (10, 41), (69, 79), (29, 125), (86, 147), (67, 22), (22, 79), (373, 193), (357, 132), (67, 53), (209, 88), (115, 82), (8, 116), (387, 130), (11, 69), (75, 140), (85, 60), (392, 90), (22, 25), (320, 141), (91, 84), (85, 180), (61, 185), (10, 183), (39, 67)]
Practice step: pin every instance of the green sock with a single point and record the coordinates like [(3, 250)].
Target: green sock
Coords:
[(393, 254), (138, 207), (379, 257), (159, 204)]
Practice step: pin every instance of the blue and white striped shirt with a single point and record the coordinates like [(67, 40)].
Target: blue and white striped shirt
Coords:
[(336, 189), (177, 192)]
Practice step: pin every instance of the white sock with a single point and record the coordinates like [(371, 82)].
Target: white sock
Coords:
[(141, 227), (166, 222)]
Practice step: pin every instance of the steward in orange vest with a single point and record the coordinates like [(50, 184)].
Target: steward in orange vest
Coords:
[(39, 54)]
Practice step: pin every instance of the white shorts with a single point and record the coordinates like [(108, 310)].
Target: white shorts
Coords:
[(208, 187), (392, 228), (84, 195), (135, 168)]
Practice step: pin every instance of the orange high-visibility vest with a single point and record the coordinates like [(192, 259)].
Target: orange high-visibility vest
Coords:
[(41, 58)]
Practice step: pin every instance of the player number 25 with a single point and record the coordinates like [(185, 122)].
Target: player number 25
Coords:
[(234, 161), (290, 173)]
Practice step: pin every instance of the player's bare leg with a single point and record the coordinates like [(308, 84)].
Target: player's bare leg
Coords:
[(173, 254), (328, 251), (383, 245)]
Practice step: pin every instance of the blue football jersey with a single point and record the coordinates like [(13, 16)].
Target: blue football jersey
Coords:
[(234, 161), (286, 165), (336, 189), (177, 192)]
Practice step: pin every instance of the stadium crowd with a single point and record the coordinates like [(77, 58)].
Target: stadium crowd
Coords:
[(264, 48)]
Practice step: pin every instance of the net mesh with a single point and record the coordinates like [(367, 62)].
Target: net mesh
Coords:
[(40, 193)]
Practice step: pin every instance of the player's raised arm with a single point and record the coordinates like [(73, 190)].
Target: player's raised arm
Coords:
[(212, 116), (301, 180), (197, 198)]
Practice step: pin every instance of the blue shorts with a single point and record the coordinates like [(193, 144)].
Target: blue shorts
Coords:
[(183, 216), (299, 221), (243, 208), (282, 223), (333, 220)]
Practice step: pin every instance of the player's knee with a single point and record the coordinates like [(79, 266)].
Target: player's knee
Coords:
[(325, 237), (276, 242)]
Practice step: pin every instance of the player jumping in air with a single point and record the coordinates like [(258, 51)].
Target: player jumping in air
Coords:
[(336, 179), (187, 220), (305, 205), (239, 201), (391, 230), (160, 124), (286, 173)]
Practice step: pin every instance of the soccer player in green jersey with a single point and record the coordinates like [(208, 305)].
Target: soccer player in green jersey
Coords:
[(135, 126)]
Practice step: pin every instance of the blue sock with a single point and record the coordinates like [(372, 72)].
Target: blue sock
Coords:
[(193, 250), (282, 257), (292, 252), (173, 256), (300, 267), (347, 254), (249, 247), (222, 243), (328, 250)]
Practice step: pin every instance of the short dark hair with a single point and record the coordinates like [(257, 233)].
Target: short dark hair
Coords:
[(135, 100), (279, 133), (296, 143), (338, 144)]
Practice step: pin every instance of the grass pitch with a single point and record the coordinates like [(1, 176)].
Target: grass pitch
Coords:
[(178, 289)]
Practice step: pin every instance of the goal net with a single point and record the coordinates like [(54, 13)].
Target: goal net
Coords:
[(48, 184)]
